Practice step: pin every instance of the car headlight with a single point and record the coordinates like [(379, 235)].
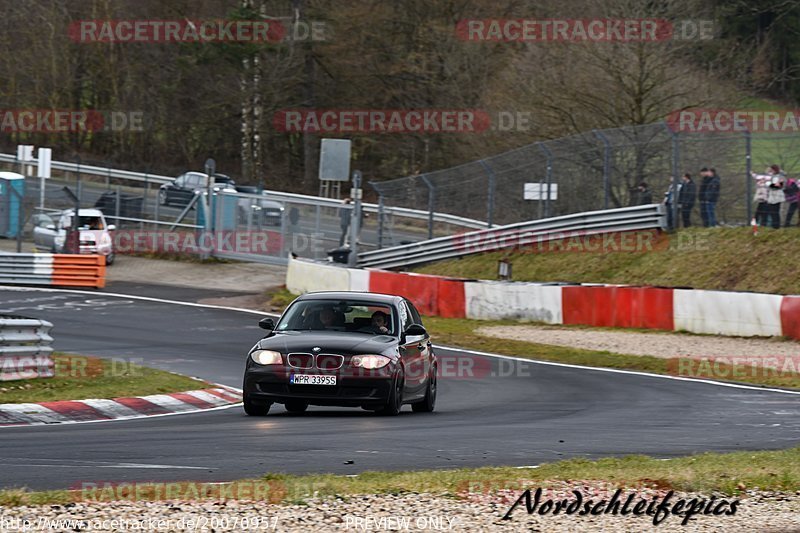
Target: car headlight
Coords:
[(370, 362), (266, 357)]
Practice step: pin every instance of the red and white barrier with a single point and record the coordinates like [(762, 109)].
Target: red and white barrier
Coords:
[(490, 300), (695, 311)]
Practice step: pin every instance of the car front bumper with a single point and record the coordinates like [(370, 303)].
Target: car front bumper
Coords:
[(353, 388)]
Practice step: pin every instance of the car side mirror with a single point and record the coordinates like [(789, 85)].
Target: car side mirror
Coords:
[(416, 330), (413, 333), (111, 227), (266, 323)]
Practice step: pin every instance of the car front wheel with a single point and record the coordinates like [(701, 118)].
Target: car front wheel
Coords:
[(395, 401), (428, 404), (255, 408)]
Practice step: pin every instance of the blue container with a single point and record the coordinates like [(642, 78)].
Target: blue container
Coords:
[(12, 192)]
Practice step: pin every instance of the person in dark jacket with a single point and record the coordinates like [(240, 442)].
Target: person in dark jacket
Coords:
[(704, 181), (712, 196), (344, 222), (686, 198), (643, 195)]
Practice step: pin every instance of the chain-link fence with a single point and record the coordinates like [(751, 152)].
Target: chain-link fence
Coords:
[(597, 170), (257, 226)]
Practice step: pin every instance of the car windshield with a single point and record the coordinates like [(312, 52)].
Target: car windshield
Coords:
[(339, 315)]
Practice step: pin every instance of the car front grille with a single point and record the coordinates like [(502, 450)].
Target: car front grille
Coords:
[(325, 361), (300, 360)]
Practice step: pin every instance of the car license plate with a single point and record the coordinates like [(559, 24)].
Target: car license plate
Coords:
[(309, 379)]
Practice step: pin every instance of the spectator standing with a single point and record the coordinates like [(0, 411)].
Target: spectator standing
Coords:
[(775, 196), (669, 199), (704, 182), (761, 195), (687, 193), (344, 221), (792, 192), (643, 194), (712, 196)]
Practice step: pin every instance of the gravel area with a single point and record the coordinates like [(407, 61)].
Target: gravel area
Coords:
[(475, 511), (248, 277), (656, 344)]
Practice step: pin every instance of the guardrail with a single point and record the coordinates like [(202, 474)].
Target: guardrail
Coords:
[(644, 217), (276, 195), (25, 350), (58, 270)]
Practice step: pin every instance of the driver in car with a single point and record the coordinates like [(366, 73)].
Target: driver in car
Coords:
[(379, 320)]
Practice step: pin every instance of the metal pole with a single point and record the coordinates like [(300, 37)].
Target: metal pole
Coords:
[(490, 201), (548, 180), (117, 206), (748, 169), (431, 203), (380, 221), (355, 219), (676, 161), (78, 184), (606, 167)]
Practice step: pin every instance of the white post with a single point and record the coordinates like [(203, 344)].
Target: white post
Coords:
[(43, 171)]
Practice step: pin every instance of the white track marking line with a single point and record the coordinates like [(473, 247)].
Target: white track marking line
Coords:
[(111, 465), (618, 371), (486, 354)]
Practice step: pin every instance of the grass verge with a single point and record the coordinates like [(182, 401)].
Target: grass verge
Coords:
[(728, 473), (79, 377), (729, 259)]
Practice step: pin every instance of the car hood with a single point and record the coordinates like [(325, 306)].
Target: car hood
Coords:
[(329, 342)]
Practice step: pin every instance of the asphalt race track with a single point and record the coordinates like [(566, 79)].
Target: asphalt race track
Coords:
[(528, 414)]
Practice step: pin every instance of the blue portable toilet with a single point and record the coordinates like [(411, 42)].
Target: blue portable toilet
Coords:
[(12, 191)]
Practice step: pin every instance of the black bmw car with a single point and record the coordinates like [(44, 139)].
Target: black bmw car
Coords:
[(350, 349)]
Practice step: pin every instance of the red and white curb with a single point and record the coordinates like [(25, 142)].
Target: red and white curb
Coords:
[(72, 411)]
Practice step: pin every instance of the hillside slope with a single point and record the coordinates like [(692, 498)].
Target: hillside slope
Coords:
[(730, 259)]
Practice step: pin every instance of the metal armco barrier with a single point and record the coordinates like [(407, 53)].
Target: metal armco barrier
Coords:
[(25, 350), (58, 270), (637, 218)]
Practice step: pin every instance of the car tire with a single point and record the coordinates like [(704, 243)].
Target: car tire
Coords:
[(296, 407), (162, 197), (428, 404), (109, 259), (255, 408), (395, 401)]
